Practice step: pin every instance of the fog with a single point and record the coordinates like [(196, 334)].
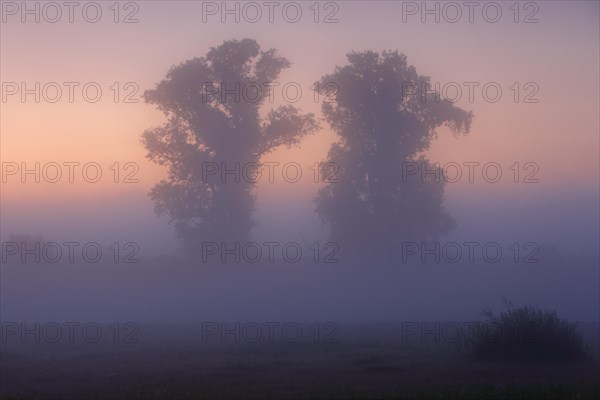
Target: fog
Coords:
[(369, 164)]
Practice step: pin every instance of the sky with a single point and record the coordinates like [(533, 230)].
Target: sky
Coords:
[(546, 120)]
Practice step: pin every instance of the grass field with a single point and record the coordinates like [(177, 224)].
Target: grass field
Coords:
[(368, 362)]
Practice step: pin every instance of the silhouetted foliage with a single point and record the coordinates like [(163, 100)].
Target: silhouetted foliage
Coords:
[(385, 118), (527, 334), (207, 124)]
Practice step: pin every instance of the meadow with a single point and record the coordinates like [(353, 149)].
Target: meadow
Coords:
[(369, 361)]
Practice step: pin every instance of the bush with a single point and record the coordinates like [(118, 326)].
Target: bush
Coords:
[(527, 333)]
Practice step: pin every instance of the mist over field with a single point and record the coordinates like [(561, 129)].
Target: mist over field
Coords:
[(235, 199)]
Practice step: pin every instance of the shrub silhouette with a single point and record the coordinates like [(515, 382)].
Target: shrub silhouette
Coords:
[(527, 334)]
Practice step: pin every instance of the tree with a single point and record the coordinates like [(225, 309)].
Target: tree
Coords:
[(386, 116), (213, 120)]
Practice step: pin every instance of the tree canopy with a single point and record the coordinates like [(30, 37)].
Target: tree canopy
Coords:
[(208, 123), (385, 117)]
